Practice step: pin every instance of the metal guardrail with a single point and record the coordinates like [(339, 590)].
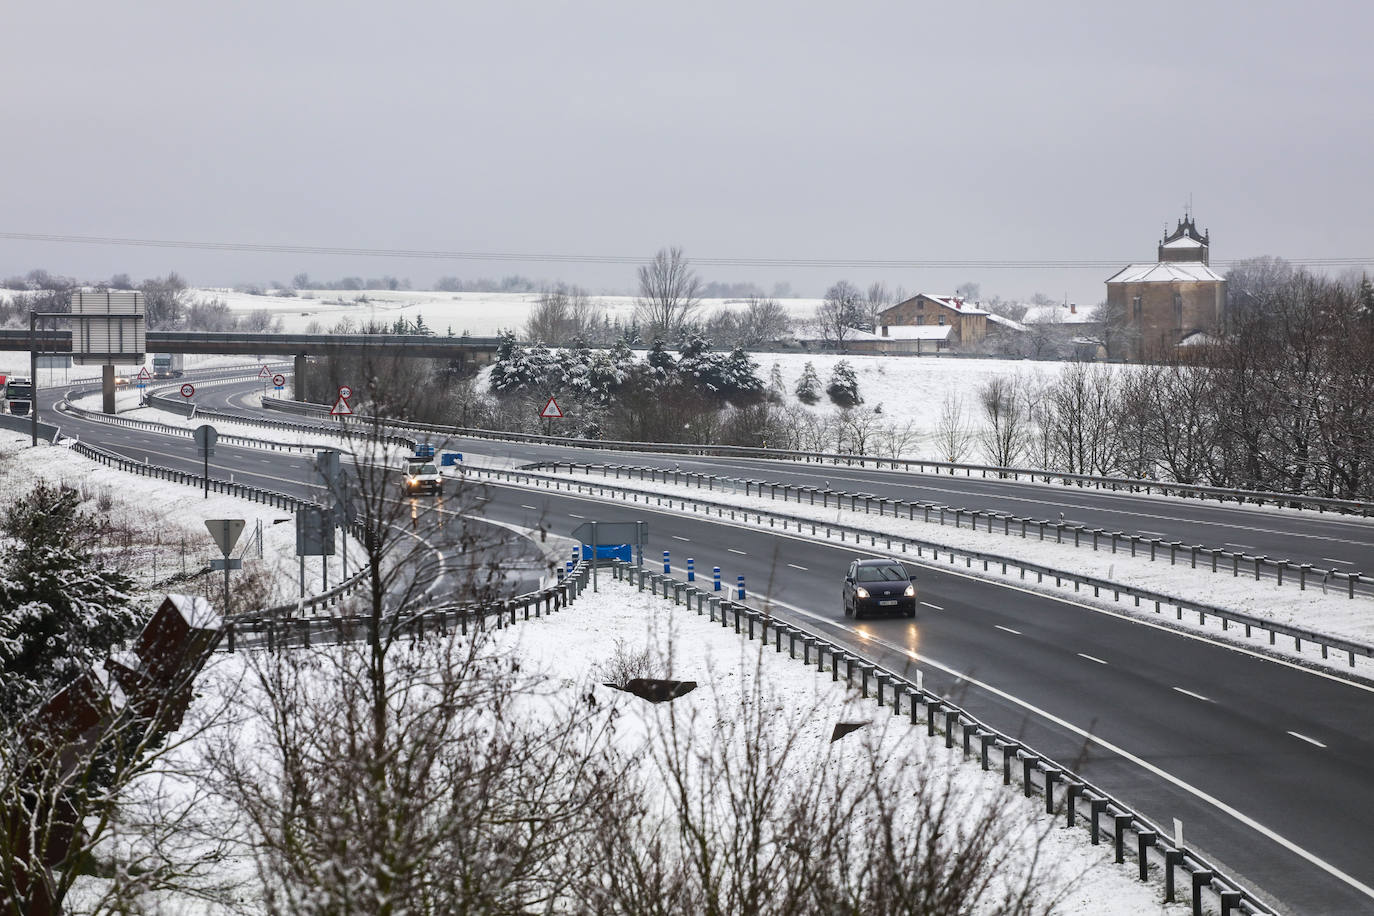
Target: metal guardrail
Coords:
[(165, 403), (1298, 573), (905, 545), (1082, 481), (1077, 796), (278, 632)]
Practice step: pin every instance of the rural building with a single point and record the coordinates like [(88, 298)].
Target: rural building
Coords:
[(968, 321), (1179, 295), (907, 340)]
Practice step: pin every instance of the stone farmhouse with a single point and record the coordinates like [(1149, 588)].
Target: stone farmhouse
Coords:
[(967, 322)]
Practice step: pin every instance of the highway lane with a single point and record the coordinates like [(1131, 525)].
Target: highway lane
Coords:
[(1228, 734)]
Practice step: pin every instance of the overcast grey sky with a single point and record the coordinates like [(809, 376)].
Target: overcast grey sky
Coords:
[(915, 131)]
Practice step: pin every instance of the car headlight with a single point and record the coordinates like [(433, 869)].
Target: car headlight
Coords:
[(910, 591), (861, 592)]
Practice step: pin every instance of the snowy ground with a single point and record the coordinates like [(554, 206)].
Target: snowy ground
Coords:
[(477, 314), (570, 650), (1329, 612), (160, 526)]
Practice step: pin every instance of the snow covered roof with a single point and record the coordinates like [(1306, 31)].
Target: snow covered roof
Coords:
[(956, 303), (1198, 339), (909, 332), (1005, 322), (1056, 314), (1183, 242), (197, 611), (1165, 272)]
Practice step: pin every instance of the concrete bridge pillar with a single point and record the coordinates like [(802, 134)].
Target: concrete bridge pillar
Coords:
[(298, 378), (107, 388)]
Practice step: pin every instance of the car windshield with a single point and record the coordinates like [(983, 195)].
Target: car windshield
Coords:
[(880, 574), (418, 469)]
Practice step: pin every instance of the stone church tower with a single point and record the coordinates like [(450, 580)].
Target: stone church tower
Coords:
[(1177, 297)]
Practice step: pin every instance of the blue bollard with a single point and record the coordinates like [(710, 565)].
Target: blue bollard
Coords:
[(691, 570), (715, 575), (567, 569), (667, 567), (577, 555), (561, 574), (741, 588)]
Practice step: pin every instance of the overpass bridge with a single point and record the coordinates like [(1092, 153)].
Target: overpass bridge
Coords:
[(464, 350)]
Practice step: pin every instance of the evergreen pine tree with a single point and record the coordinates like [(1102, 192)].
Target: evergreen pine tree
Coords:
[(808, 388), (843, 387), (60, 609)]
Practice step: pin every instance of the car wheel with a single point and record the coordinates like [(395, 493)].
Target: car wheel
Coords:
[(911, 614), (858, 615)]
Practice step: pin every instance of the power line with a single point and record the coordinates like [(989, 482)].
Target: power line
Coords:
[(547, 258)]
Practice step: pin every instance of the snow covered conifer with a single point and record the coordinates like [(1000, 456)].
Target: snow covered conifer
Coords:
[(808, 388), (843, 387), (60, 609)]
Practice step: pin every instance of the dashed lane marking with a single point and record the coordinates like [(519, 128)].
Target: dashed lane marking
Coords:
[(1091, 658), (1008, 629), (1313, 741), (1196, 696)]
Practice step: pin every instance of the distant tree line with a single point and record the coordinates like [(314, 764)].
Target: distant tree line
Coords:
[(168, 303)]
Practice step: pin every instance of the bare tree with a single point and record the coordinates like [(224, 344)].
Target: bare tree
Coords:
[(669, 294), (1080, 419), (763, 322), (876, 298), (1005, 434), (840, 314), (953, 436), (560, 316)]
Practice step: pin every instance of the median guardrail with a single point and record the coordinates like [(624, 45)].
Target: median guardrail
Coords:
[(907, 545), (1107, 816), (1154, 548), (920, 466)]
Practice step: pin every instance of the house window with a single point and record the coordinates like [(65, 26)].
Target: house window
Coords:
[(942, 319), (920, 305), (920, 319), (1178, 310), (1135, 308)]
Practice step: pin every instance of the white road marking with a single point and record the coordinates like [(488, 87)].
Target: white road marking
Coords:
[(1334, 560), (1124, 754), (677, 537), (1008, 629), (1307, 739), (575, 515), (1196, 696), (933, 607), (1241, 546), (795, 566), (1158, 534), (740, 552), (1091, 658), (523, 506)]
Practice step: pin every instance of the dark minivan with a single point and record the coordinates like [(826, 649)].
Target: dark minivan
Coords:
[(879, 586)]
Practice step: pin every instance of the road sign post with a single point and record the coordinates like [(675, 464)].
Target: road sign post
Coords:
[(205, 437), (226, 533)]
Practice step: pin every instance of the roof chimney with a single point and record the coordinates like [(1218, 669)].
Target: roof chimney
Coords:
[(1073, 308)]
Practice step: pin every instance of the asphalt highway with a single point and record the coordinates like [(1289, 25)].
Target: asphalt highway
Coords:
[(1270, 766)]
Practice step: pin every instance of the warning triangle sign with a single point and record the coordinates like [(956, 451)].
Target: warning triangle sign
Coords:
[(143, 374), (551, 411), (263, 373), (341, 409)]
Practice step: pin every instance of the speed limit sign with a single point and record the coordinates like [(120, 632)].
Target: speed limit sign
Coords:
[(187, 390), (345, 392)]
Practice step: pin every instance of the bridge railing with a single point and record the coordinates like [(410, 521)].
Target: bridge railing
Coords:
[(1106, 816)]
